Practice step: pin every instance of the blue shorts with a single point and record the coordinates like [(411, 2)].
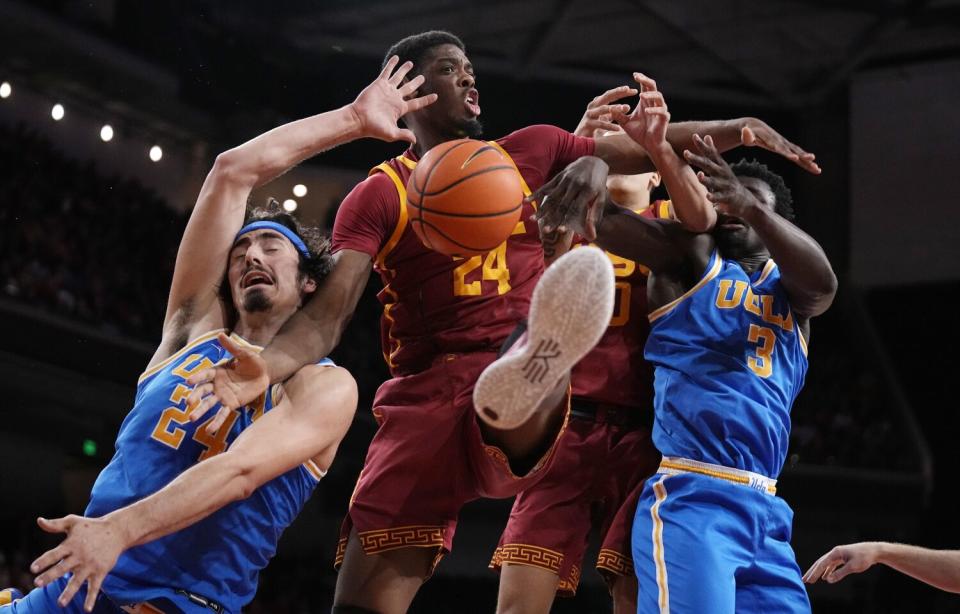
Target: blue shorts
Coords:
[(44, 601), (702, 545)]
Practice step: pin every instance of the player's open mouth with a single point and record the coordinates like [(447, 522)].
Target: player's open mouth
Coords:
[(472, 102), (730, 223), (254, 278)]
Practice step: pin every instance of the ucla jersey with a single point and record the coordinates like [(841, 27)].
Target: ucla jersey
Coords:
[(729, 361), (221, 556)]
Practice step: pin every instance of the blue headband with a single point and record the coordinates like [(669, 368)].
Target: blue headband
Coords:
[(289, 234)]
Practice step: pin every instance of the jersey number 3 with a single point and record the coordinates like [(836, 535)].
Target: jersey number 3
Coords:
[(761, 361)]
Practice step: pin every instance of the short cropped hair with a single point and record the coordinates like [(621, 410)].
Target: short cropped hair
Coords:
[(414, 47), (782, 197)]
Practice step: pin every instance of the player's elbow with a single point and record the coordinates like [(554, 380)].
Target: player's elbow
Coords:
[(230, 168), (818, 298)]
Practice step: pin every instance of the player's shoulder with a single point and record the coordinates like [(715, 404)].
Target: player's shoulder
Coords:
[(376, 185), (532, 135), (320, 388)]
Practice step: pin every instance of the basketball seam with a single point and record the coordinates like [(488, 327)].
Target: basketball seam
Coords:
[(437, 230), (483, 215), (426, 180), (462, 179)]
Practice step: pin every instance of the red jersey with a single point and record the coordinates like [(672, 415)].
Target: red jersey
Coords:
[(435, 304), (615, 371)]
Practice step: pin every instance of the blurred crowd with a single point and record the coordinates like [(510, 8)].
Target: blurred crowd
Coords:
[(76, 242)]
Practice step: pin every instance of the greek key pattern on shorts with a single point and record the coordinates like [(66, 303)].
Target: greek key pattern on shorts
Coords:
[(614, 562), (522, 554), (382, 540), (568, 585), (391, 539)]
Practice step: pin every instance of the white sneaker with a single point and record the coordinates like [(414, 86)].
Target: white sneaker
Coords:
[(569, 312)]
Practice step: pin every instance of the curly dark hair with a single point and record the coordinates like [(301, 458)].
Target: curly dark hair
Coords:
[(416, 46), (316, 267), (782, 197)]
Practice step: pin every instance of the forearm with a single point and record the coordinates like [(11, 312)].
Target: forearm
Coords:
[(939, 568), (192, 496), (628, 235), (302, 340), (267, 156), (687, 194), (725, 133), (555, 244), (804, 268), (315, 329)]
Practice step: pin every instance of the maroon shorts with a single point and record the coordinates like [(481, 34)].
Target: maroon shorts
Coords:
[(427, 460), (594, 480)]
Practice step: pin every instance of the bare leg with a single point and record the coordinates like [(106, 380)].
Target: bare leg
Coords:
[(526, 590), (624, 592), (384, 583)]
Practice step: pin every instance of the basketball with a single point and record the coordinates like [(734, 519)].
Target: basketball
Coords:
[(464, 198)]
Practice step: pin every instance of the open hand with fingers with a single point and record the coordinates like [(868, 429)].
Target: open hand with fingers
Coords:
[(647, 125), (728, 195), (756, 133), (597, 119), (574, 198), (232, 384), (842, 561), (382, 103), (89, 552)]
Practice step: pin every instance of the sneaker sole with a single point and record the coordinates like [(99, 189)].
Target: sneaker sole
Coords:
[(569, 312)]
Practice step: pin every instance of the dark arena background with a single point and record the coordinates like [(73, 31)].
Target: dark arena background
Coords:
[(112, 111)]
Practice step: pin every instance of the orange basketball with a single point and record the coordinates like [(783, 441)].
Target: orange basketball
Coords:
[(464, 198)]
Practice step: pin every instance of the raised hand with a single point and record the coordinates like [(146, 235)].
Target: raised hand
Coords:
[(573, 198), (233, 384), (382, 103), (647, 125), (756, 133), (724, 189), (597, 118), (843, 561), (89, 552)]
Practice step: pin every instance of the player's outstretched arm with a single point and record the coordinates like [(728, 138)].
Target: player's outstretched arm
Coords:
[(310, 421), (805, 271), (938, 568), (647, 125), (627, 157), (745, 131), (220, 208)]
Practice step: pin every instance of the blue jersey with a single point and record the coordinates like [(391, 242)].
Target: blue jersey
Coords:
[(219, 557), (729, 361)]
